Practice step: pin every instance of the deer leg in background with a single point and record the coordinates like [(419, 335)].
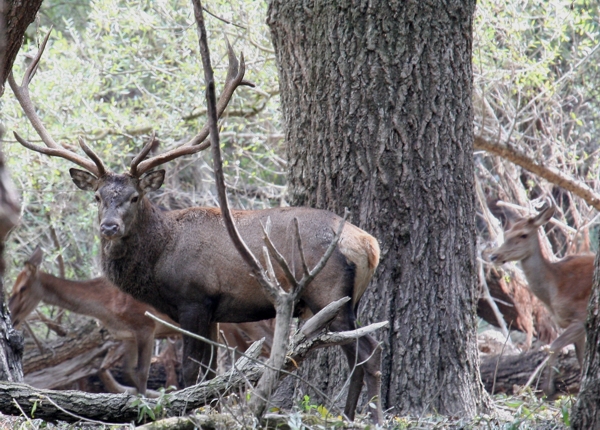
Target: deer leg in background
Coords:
[(364, 357), (145, 344), (210, 361), (573, 334)]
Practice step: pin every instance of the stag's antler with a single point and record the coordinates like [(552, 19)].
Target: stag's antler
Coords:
[(54, 149), (235, 78)]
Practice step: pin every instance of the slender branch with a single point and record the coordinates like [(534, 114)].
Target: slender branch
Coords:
[(513, 155), (279, 258), (305, 270), (307, 278)]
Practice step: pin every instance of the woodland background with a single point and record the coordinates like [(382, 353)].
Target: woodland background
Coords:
[(114, 70)]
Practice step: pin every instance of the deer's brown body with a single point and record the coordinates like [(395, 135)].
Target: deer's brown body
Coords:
[(184, 263), (563, 286)]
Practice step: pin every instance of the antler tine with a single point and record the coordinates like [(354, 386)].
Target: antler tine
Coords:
[(94, 157), (145, 150), (235, 78), (22, 94), (30, 72), (60, 152)]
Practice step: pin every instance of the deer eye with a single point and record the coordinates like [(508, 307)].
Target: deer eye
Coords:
[(134, 199), (523, 236), (97, 197)]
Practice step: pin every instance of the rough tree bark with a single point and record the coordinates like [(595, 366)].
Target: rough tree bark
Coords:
[(378, 118), (586, 411), (15, 17)]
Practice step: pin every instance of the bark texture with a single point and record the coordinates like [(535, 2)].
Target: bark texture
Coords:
[(586, 411), (15, 16), (376, 100)]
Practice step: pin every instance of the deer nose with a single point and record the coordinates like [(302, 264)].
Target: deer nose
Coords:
[(109, 228)]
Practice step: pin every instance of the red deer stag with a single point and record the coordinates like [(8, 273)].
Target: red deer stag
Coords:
[(120, 313), (563, 286), (183, 262)]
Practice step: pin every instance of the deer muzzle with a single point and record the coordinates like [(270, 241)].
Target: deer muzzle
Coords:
[(110, 229)]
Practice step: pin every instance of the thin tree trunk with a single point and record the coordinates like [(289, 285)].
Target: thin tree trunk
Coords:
[(377, 108), (586, 411)]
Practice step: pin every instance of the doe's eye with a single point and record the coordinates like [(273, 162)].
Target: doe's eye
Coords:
[(97, 197), (134, 199), (523, 236)]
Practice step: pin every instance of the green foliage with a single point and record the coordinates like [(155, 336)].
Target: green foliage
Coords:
[(114, 71), (152, 409)]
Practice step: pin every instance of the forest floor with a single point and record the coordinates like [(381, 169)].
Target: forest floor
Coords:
[(512, 413)]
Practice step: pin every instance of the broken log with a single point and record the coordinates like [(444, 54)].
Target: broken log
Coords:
[(510, 373), (72, 406)]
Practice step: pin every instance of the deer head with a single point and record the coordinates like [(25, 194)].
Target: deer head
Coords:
[(27, 290), (521, 238), (119, 196)]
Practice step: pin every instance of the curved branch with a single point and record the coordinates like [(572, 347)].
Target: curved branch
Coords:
[(548, 173)]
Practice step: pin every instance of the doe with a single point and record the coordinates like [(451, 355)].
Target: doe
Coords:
[(564, 286)]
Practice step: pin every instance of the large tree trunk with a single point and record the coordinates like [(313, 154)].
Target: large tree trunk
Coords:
[(586, 412), (378, 118)]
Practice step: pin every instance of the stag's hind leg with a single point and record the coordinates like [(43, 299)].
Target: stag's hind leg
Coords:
[(364, 360)]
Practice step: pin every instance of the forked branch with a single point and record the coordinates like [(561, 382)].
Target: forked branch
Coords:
[(283, 301)]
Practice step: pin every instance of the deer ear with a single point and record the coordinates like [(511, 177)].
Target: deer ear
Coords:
[(152, 181), (544, 216), (84, 180), (36, 258)]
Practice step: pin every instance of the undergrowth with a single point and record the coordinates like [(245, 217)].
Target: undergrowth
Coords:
[(521, 412)]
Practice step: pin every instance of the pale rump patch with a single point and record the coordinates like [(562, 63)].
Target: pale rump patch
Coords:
[(362, 249)]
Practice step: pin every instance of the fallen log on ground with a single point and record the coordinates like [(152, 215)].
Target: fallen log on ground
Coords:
[(72, 406), (68, 359), (509, 374)]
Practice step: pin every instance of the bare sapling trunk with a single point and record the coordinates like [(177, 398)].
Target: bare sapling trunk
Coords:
[(283, 301)]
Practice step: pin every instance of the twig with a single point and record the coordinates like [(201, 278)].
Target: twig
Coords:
[(74, 415), (535, 373), (223, 19), (570, 184), (498, 363), (24, 414)]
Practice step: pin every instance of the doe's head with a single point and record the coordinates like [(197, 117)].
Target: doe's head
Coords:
[(521, 238), (27, 290)]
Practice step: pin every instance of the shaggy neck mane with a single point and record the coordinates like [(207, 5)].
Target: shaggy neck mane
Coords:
[(128, 262)]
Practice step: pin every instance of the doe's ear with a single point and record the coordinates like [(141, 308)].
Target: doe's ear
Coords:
[(543, 216), (36, 258), (152, 181), (84, 180)]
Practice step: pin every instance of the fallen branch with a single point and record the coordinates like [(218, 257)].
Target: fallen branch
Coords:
[(16, 399), (550, 174)]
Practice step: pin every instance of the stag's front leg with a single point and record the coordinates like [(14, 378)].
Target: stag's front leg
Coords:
[(195, 320)]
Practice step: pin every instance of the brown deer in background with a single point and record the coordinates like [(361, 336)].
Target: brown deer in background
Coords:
[(122, 315), (563, 286), (184, 264)]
